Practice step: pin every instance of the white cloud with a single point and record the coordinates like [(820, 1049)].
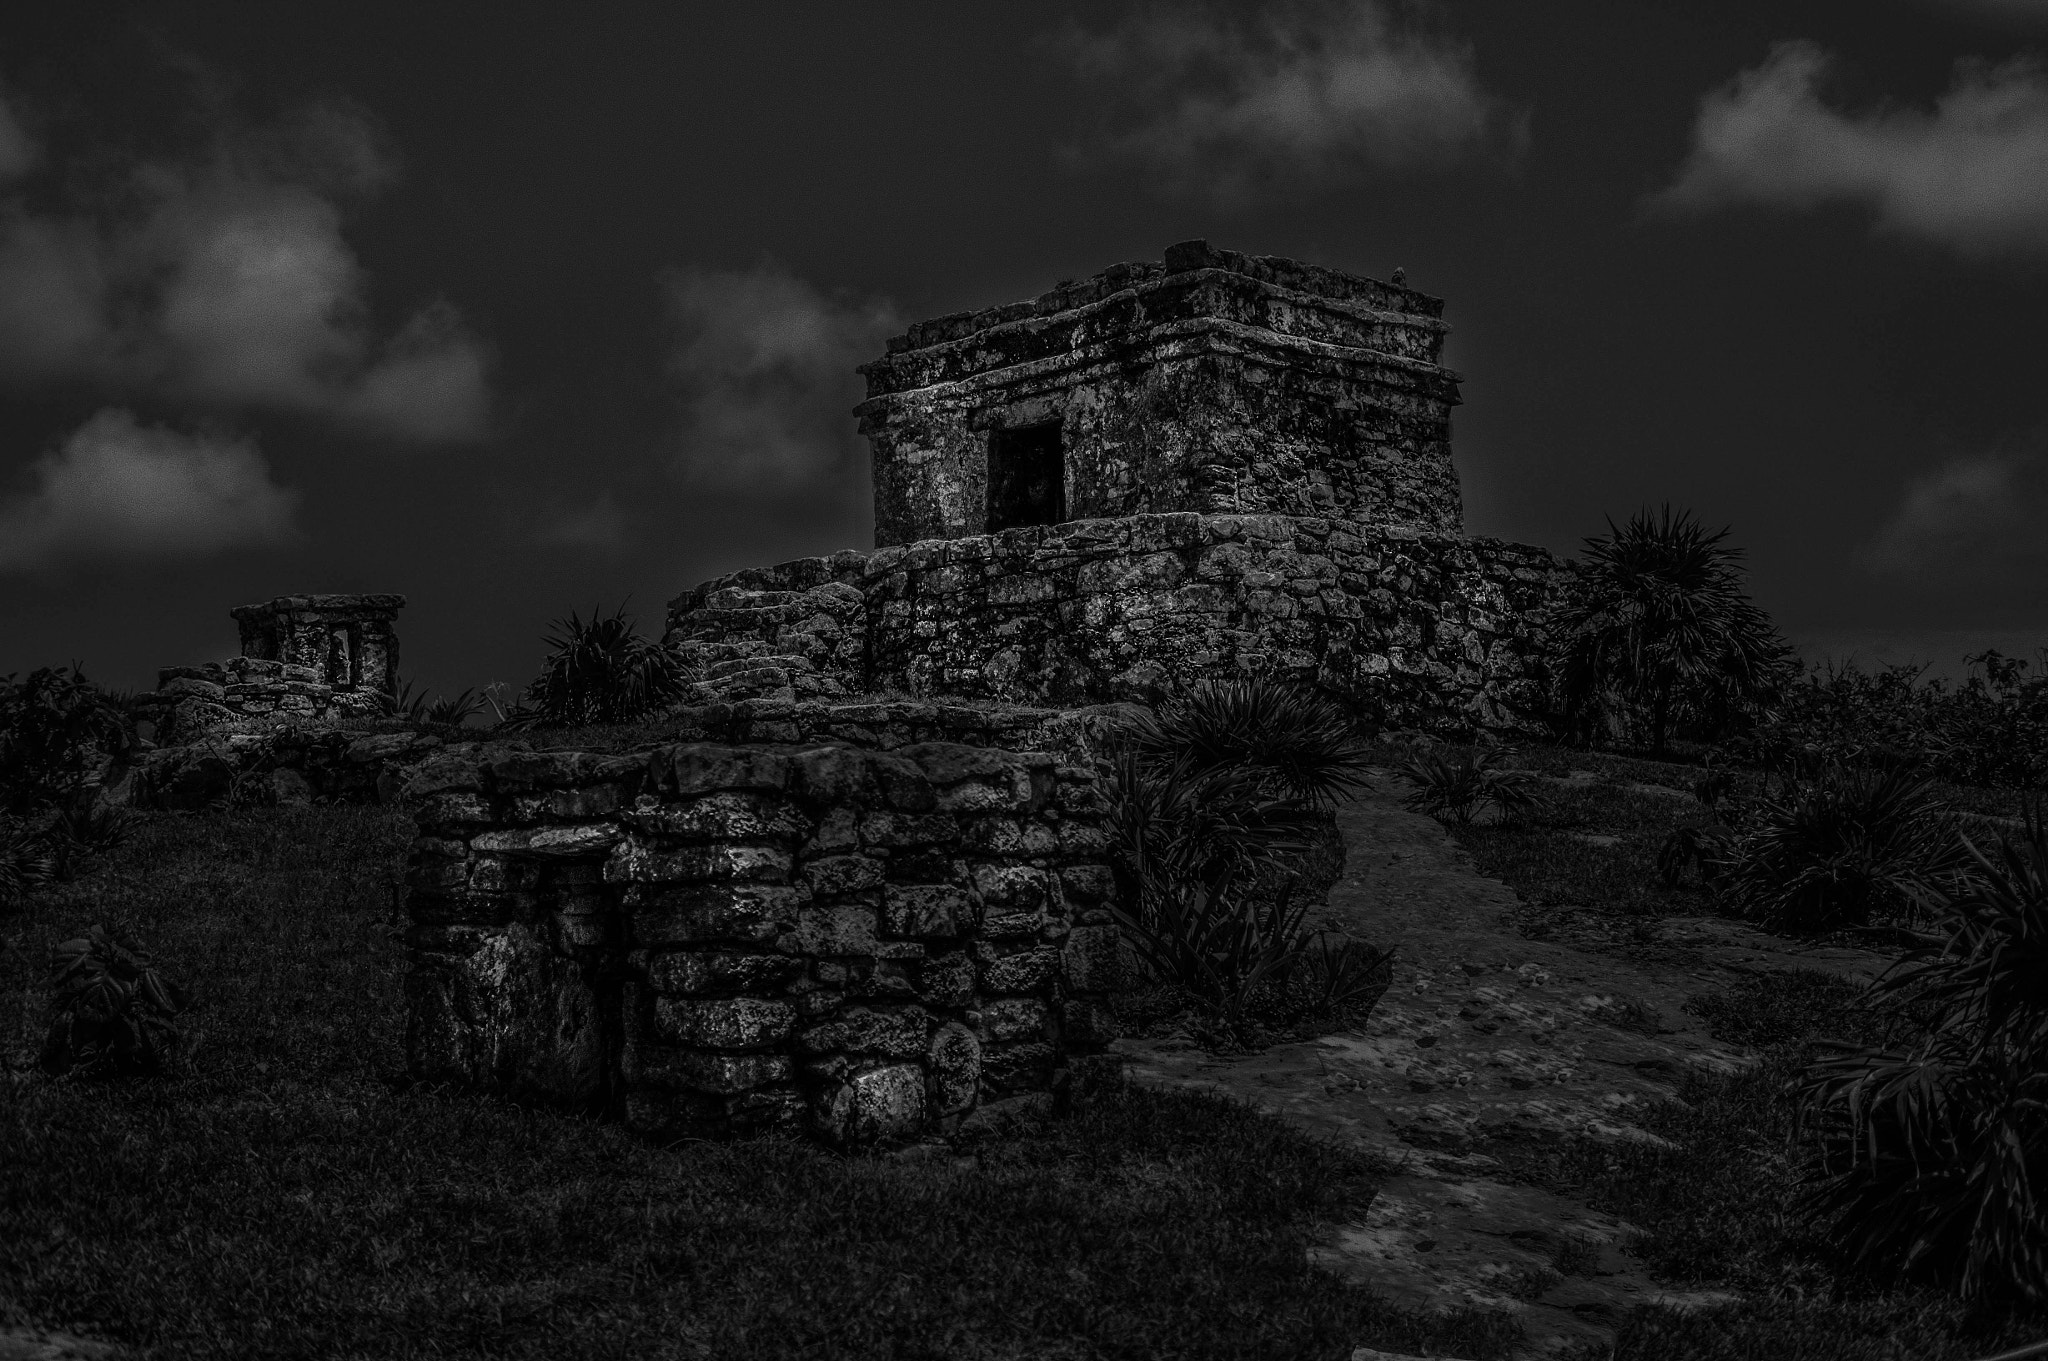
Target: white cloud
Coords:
[(227, 281), (1219, 99), (118, 490), (1972, 174), (1972, 514), (764, 364)]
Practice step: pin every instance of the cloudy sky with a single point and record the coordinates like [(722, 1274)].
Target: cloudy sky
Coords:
[(520, 308)]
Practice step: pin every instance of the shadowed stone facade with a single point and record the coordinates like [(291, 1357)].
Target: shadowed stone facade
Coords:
[(713, 940), (1214, 382), (350, 640), (305, 658)]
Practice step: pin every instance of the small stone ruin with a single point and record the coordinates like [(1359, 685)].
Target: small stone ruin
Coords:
[(305, 658), (710, 940)]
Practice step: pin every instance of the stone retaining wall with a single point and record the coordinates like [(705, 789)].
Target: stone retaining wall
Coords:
[(1413, 629), (711, 940), (245, 693)]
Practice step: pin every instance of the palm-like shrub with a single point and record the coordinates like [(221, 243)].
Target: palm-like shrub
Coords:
[(112, 1010), (601, 671), (1834, 851), (54, 728), (1933, 1163), (1222, 791), (1295, 740), (26, 861), (451, 711), (1660, 629), (1456, 788)]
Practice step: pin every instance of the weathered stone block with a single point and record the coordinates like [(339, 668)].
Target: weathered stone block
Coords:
[(837, 929), (876, 1106), (703, 767), (723, 1023), (1027, 971), (661, 916), (830, 876), (636, 862), (927, 911), (955, 1058), (892, 1033), (1016, 1018), (687, 972), (947, 980), (722, 816)]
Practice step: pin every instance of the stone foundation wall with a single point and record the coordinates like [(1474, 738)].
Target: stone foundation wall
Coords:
[(247, 692), (1415, 630), (711, 940)]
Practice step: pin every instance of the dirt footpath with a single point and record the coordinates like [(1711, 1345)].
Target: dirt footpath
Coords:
[(1485, 1031)]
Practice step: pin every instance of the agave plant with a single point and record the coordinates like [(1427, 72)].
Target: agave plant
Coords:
[(1932, 1162), (112, 1009), (1295, 739), (453, 712), (1197, 936), (1661, 627), (1455, 788), (1834, 851), (26, 861), (600, 672), (1181, 824)]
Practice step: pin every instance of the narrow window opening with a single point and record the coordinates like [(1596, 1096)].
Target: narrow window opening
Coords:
[(1027, 482)]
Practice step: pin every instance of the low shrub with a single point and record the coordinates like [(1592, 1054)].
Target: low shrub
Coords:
[(112, 1010), (452, 711), (1925, 1162), (1454, 788), (1989, 731), (1295, 741), (1659, 636), (1834, 851), (1216, 801), (600, 671), (55, 728), (26, 861)]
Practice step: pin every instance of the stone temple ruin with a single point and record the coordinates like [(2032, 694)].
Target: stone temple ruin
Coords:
[(1219, 464), (304, 658), (864, 891)]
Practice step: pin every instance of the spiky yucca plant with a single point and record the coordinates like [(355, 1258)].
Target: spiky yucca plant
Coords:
[(1836, 850), (1455, 788), (1288, 736), (1661, 625), (1934, 1163), (601, 672)]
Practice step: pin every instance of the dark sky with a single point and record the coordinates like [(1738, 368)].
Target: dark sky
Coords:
[(518, 308)]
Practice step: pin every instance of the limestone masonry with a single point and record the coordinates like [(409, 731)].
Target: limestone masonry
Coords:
[(304, 658), (713, 940), (1216, 383), (1215, 465)]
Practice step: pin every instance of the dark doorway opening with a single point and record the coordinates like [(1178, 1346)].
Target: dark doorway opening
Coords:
[(1027, 482)]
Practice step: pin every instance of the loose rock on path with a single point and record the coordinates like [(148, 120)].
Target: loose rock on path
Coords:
[(1486, 1032)]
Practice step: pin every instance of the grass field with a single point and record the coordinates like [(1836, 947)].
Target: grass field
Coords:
[(289, 1195)]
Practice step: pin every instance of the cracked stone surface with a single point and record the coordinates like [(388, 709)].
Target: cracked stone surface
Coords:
[(1486, 1032)]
